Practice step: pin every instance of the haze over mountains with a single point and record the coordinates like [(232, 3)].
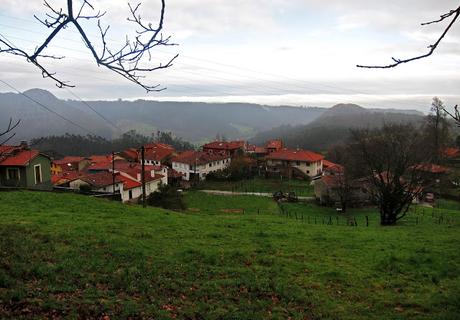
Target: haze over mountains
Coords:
[(195, 122), (334, 125)]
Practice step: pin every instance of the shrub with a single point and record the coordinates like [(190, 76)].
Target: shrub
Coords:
[(167, 197)]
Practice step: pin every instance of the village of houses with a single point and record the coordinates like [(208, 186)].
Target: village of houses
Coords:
[(120, 173)]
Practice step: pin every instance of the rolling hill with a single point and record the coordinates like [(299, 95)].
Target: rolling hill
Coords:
[(194, 122), (333, 126)]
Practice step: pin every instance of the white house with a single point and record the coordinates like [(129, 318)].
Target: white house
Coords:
[(99, 182), (198, 164), (157, 154), (288, 162), (132, 188)]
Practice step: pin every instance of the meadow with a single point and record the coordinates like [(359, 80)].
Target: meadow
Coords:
[(70, 256), (300, 187)]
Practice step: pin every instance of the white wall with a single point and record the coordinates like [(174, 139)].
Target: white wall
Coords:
[(311, 169), (150, 187), (202, 170)]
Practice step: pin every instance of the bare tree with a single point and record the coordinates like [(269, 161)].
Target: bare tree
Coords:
[(454, 14), (390, 158), (455, 115), (436, 130), (127, 61), (8, 134)]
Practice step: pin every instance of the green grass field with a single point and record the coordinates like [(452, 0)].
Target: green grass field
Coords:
[(69, 256), (301, 188)]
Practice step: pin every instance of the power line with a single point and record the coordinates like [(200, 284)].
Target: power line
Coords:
[(299, 83), (95, 111), (76, 96), (47, 108)]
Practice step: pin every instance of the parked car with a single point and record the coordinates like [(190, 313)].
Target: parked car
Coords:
[(429, 197)]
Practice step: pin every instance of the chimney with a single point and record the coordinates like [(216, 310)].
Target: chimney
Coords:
[(24, 145)]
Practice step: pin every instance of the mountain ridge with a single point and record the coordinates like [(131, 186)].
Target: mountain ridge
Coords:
[(192, 121)]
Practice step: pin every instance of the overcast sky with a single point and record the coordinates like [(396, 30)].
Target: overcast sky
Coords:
[(295, 52)]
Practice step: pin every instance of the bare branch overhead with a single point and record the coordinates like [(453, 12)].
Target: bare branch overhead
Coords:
[(8, 134), (432, 47), (132, 61)]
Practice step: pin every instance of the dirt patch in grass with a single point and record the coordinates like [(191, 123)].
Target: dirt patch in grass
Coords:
[(232, 211)]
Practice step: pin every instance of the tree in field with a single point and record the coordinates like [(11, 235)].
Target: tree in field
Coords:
[(436, 130), (132, 60), (390, 159)]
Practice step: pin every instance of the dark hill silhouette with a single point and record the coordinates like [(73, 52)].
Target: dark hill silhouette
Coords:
[(192, 121), (334, 125)]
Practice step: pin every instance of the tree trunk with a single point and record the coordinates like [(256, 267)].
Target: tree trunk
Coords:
[(387, 218)]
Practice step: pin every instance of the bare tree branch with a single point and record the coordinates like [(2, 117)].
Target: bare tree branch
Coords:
[(8, 134), (129, 61), (455, 115), (455, 13)]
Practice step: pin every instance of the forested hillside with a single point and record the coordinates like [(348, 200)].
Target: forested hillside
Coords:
[(194, 122), (334, 125), (79, 145)]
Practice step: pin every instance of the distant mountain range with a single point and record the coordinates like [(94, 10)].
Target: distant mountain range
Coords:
[(195, 122), (333, 126)]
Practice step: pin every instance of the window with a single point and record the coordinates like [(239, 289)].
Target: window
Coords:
[(130, 194), (38, 173), (298, 163), (12, 174)]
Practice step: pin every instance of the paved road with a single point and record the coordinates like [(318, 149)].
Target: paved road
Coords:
[(259, 194)]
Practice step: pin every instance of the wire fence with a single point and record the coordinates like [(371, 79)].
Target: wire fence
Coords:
[(415, 216)]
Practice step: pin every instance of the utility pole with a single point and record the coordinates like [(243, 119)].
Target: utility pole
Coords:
[(143, 175), (113, 171)]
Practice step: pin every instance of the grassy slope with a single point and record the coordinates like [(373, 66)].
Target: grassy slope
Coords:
[(301, 188), (68, 255)]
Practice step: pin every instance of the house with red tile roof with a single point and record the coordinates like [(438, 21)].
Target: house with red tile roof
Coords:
[(432, 168), (195, 165), (23, 167), (130, 154), (132, 188), (131, 175), (158, 153), (62, 179), (130, 169), (290, 163), (99, 182), (69, 164), (273, 145), (331, 168), (451, 153), (230, 148), (451, 156)]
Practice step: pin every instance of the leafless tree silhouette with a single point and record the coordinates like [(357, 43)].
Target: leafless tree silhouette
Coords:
[(392, 159), (455, 115), (454, 14), (128, 61), (8, 134)]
